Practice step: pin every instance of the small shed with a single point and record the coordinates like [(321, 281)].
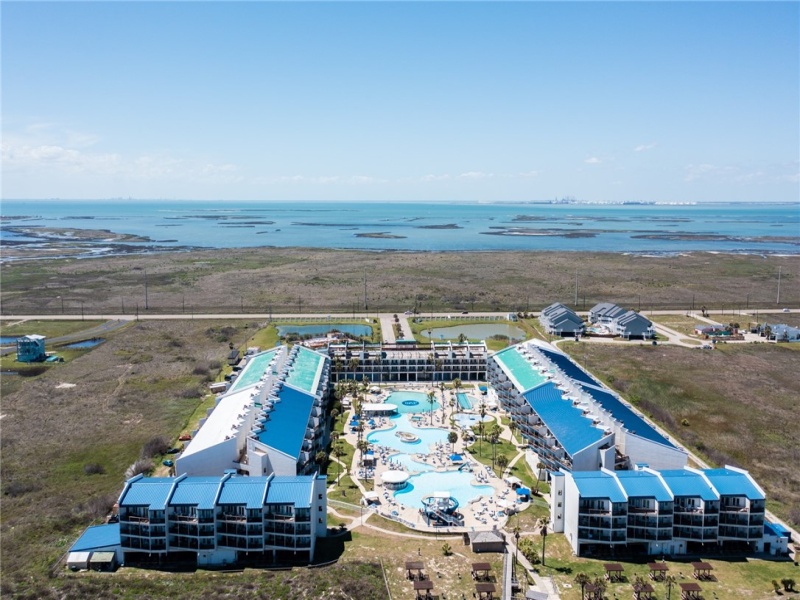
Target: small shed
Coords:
[(233, 357), (30, 348), (97, 539), (487, 541), (78, 561), (103, 561)]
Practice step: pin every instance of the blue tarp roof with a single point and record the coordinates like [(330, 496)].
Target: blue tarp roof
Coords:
[(287, 422), (641, 484), (249, 491), (566, 422), (629, 419), (297, 491), (196, 491), (687, 484), (98, 536), (149, 491), (733, 483), (598, 484)]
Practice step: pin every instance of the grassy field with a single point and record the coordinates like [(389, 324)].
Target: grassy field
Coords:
[(301, 280), (736, 578), (48, 329), (736, 402)]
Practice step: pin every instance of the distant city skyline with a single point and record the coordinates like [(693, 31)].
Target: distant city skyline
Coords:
[(403, 101)]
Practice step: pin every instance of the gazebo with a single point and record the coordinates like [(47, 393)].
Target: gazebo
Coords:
[(690, 591), (480, 571), (702, 570), (643, 591), (415, 565), (423, 588), (485, 590), (614, 571), (658, 571)]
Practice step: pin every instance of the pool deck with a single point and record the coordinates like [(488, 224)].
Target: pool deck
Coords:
[(479, 514)]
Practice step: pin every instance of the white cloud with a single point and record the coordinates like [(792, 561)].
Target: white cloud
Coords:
[(593, 161), (643, 147), (431, 177), (475, 175), (528, 174)]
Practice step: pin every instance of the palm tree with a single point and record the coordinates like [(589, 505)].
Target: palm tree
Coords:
[(512, 427), (452, 437), (363, 446), (337, 451), (353, 364), (432, 400), (669, 581), (543, 524), (494, 437), (502, 461), (600, 587), (638, 586), (480, 427), (582, 579), (321, 458), (516, 532)]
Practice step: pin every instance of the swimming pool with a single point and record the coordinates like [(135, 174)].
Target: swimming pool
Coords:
[(466, 402), (470, 420), (427, 436), (411, 465), (456, 482), (412, 402)]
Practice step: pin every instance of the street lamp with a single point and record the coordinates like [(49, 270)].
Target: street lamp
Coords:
[(62, 303)]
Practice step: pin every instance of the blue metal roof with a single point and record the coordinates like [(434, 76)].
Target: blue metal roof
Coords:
[(641, 484), (776, 529), (296, 490), (249, 491), (565, 421), (196, 491), (733, 483), (98, 536), (287, 422), (685, 483), (632, 422), (571, 370), (598, 484), (148, 491)]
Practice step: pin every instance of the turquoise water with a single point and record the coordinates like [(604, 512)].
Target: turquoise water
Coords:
[(464, 401), (412, 402), (455, 482), (253, 371), (321, 330), (470, 420), (9, 340), (411, 465), (427, 436), (653, 229), (304, 370), (85, 344), (477, 331)]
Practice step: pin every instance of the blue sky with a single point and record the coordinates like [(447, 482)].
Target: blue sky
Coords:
[(415, 101)]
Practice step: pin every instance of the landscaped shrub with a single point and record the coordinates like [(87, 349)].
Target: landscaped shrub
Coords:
[(94, 469), (157, 445), (139, 467)]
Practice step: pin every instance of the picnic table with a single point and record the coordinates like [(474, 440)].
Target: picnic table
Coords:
[(485, 590), (614, 571)]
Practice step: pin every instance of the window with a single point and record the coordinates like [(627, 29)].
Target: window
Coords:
[(559, 492), (319, 508), (319, 520), (320, 496), (559, 505)]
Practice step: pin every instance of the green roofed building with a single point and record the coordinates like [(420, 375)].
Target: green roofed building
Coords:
[(270, 421)]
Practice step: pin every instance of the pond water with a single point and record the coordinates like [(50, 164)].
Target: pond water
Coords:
[(455, 482), (85, 344), (9, 340), (323, 329), (477, 331)]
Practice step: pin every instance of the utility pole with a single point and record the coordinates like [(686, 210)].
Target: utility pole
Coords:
[(365, 288), (576, 288), (778, 301), (146, 305)]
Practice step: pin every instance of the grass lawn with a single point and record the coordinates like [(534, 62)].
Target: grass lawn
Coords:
[(736, 578), (680, 323), (50, 329)]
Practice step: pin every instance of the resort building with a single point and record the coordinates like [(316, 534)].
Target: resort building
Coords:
[(559, 320), (408, 362), (605, 312), (569, 418), (628, 324), (223, 520), (646, 511), (270, 421)]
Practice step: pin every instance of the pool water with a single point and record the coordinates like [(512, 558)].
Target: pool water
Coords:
[(412, 402), (427, 436), (456, 482), (85, 343), (9, 340), (466, 402), (470, 420), (411, 465)]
